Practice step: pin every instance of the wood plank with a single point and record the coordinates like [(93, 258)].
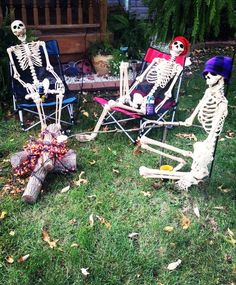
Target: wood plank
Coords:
[(63, 26), (90, 12), (47, 12), (69, 13), (80, 12), (1, 16), (23, 12), (35, 12), (58, 13)]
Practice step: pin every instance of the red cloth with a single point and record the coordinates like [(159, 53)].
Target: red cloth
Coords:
[(131, 114), (153, 53)]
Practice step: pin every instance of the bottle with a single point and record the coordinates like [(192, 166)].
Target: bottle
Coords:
[(150, 105)]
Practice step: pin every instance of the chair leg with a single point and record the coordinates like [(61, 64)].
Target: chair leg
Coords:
[(21, 117), (70, 109)]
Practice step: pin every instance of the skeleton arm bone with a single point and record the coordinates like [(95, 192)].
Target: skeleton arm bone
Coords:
[(49, 66), (189, 121), (141, 77), (16, 74), (168, 93)]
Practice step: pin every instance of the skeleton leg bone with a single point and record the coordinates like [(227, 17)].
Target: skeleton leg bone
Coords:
[(59, 99), (87, 137)]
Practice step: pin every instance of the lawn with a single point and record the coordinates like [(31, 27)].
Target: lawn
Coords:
[(116, 227)]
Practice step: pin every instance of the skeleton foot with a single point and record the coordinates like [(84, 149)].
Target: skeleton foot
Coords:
[(86, 138), (186, 181)]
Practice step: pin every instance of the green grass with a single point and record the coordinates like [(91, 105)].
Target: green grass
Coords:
[(208, 258)]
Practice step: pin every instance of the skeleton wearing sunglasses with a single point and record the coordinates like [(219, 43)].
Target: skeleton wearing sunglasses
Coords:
[(211, 113)]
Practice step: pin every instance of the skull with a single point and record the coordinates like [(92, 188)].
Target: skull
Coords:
[(212, 78), (177, 47), (18, 29)]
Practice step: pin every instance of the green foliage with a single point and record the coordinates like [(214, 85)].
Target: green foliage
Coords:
[(129, 32), (7, 39), (198, 20), (114, 63), (100, 48)]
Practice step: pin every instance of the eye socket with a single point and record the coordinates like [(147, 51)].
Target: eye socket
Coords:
[(20, 25), (213, 73), (14, 27), (181, 45), (175, 43)]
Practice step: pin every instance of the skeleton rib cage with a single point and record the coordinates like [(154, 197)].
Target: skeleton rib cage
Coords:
[(208, 111)]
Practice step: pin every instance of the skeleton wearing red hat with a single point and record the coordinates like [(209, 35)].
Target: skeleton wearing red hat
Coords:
[(162, 73)]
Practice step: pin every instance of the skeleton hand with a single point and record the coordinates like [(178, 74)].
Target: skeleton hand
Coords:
[(123, 99), (60, 87), (188, 122)]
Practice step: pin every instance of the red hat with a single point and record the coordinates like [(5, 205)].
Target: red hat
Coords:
[(184, 41)]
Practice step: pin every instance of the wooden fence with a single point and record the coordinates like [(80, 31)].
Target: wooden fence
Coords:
[(73, 23)]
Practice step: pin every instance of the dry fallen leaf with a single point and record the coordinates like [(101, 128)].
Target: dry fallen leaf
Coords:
[(81, 180), (133, 235), (115, 171), (65, 189), (92, 162), (92, 196), (9, 259), (105, 129), (230, 232), (219, 207), (72, 222), (231, 240), (12, 233), (86, 114), (74, 245), (47, 239), (137, 149), (187, 136), (91, 220), (196, 212), (85, 271), (146, 194), (23, 258), (104, 222), (185, 222), (174, 265), (3, 215), (168, 229), (224, 190)]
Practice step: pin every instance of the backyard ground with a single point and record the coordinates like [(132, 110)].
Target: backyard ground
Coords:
[(115, 227)]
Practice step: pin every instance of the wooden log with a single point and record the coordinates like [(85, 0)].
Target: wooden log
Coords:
[(43, 166), (35, 182), (18, 158), (68, 162)]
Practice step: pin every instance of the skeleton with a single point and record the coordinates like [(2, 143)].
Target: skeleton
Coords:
[(159, 73), (29, 55), (211, 113)]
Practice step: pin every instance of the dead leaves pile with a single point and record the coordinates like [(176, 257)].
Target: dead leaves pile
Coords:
[(103, 221), (14, 187), (47, 239), (186, 136)]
